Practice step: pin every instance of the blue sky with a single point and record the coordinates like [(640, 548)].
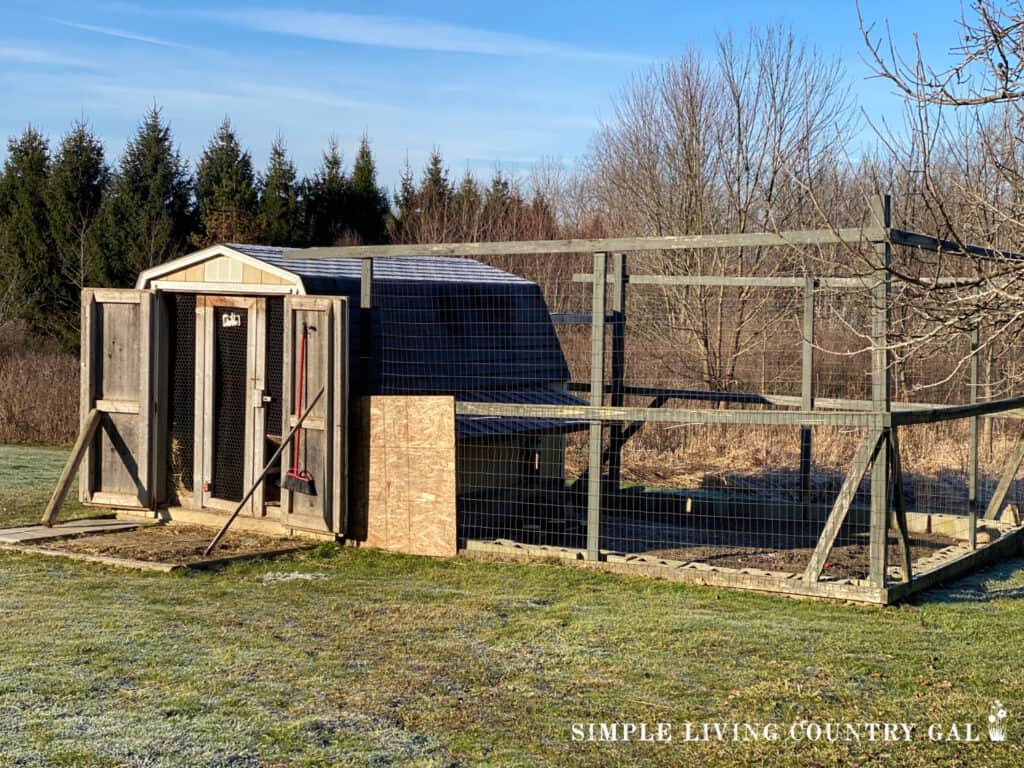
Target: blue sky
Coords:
[(489, 84)]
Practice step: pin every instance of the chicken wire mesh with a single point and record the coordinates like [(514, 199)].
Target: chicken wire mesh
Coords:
[(518, 332)]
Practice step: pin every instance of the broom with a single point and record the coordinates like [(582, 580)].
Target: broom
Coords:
[(299, 480)]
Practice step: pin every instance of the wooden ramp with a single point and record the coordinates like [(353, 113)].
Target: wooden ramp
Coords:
[(37, 533)]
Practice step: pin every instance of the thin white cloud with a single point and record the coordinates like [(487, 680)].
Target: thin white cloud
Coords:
[(121, 33), (277, 93), (402, 32), (42, 56)]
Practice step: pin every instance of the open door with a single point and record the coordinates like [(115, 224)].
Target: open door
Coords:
[(322, 439), (117, 340)]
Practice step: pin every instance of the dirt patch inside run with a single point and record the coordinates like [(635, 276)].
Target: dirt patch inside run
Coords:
[(172, 544), (845, 560)]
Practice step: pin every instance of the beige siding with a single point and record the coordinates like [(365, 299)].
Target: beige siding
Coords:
[(223, 269)]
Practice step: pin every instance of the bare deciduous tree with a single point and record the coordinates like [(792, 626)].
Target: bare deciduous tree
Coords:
[(737, 143)]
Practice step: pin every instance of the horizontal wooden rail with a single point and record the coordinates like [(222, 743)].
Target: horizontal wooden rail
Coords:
[(784, 401), (916, 240), (993, 408), (847, 235), (613, 414), (726, 281), (597, 245)]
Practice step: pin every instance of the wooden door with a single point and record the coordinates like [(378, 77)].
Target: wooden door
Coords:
[(323, 444), (116, 380)]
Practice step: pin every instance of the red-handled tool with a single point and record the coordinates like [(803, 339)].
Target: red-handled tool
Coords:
[(296, 479)]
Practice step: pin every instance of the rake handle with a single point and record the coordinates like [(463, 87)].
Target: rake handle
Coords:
[(298, 396), (263, 474)]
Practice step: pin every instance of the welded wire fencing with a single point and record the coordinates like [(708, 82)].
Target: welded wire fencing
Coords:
[(737, 415)]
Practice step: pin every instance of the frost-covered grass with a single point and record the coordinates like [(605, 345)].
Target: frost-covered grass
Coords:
[(399, 661), (27, 477)]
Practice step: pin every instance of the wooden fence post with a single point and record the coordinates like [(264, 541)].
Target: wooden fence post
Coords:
[(617, 306), (366, 326), (972, 448), (807, 395), (596, 399), (881, 390)]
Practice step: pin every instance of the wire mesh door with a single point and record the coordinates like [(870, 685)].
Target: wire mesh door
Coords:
[(230, 372), (230, 403)]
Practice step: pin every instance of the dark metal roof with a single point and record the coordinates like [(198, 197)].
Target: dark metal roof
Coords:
[(438, 325), (319, 274)]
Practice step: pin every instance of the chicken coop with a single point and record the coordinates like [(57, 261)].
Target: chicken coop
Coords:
[(801, 412), (201, 370)]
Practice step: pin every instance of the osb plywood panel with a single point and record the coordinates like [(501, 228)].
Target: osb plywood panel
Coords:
[(409, 475)]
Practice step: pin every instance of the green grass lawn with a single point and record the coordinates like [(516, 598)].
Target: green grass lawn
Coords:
[(387, 660)]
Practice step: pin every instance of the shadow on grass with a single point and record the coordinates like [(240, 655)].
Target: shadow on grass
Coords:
[(1003, 581)]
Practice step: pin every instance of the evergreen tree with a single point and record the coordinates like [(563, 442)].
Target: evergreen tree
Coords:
[(327, 199), (435, 185), (280, 213), (147, 217), (79, 179), (400, 222), (226, 197), (28, 267), (466, 205), (434, 199), (368, 205)]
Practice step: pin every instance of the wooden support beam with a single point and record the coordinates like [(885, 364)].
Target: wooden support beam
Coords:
[(995, 408), (899, 503), (865, 456), (915, 240), (633, 428), (675, 415), (881, 392), (617, 308), (365, 376), (1006, 479), (1001, 409), (78, 451), (596, 399), (850, 235), (807, 395), (972, 446)]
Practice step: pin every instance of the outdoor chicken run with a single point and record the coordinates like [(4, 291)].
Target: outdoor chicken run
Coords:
[(687, 407)]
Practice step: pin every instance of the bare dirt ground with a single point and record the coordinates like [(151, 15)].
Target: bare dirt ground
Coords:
[(172, 544), (845, 561)]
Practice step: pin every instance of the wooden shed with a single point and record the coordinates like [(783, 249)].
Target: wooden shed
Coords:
[(196, 376)]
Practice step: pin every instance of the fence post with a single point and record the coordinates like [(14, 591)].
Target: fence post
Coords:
[(807, 394), (617, 306), (881, 391), (597, 320), (972, 448), (366, 325)]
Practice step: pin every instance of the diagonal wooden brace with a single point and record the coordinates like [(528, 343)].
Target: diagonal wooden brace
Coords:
[(89, 425), (866, 453), (1006, 479)]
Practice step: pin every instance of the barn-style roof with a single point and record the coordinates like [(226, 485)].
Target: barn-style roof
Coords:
[(439, 325)]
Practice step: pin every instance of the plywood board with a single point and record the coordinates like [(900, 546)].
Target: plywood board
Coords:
[(407, 473)]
